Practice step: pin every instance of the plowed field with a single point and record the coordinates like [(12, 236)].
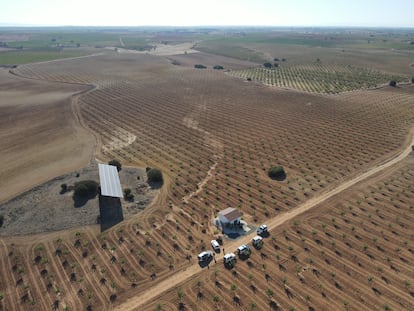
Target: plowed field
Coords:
[(214, 137)]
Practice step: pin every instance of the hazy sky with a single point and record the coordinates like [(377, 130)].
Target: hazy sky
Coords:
[(394, 13)]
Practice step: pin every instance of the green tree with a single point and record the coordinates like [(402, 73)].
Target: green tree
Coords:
[(180, 294), (128, 194), (276, 172), (116, 163), (154, 175), (216, 299), (86, 188), (270, 293), (393, 83)]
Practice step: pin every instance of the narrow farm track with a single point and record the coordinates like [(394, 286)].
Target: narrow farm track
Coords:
[(214, 140), (180, 277)]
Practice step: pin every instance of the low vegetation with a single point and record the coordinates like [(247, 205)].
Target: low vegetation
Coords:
[(86, 188), (277, 172), (318, 77), (128, 194), (200, 66), (116, 163), (154, 175)]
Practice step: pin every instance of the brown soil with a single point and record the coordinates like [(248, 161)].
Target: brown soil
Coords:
[(40, 136), (184, 121), (136, 303), (210, 61)]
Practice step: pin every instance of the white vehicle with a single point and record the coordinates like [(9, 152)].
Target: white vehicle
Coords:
[(204, 256), (257, 241), (215, 245), (262, 230), (244, 250), (229, 258)]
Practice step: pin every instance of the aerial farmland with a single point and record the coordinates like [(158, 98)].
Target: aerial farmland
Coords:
[(309, 131)]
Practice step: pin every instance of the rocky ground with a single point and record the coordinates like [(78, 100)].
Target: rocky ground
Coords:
[(46, 208)]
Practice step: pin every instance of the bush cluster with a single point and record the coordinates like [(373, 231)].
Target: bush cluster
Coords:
[(128, 194), (393, 83), (116, 163), (86, 188), (154, 175), (276, 172)]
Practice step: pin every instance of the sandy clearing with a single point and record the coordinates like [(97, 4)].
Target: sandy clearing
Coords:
[(135, 302), (40, 135), (165, 49)]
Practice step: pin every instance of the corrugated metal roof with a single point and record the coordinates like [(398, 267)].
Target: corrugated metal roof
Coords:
[(110, 184)]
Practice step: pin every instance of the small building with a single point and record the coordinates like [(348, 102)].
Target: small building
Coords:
[(230, 215), (110, 197)]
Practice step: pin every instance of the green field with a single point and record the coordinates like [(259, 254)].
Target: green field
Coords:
[(318, 78)]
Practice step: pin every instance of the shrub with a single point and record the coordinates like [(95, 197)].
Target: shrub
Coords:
[(63, 188), (128, 194), (1, 220), (199, 66), (218, 67), (393, 83), (412, 80), (277, 172), (154, 175), (116, 163), (86, 188)]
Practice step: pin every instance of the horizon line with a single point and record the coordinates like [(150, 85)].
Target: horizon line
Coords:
[(10, 25)]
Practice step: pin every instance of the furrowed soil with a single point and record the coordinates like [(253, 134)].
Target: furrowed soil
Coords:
[(40, 137), (214, 137)]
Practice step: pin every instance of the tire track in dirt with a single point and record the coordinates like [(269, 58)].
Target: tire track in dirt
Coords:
[(33, 281), (6, 271), (200, 185), (72, 299), (99, 293), (135, 302), (103, 259)]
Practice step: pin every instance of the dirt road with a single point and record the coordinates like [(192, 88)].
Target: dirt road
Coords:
[(135, 302)]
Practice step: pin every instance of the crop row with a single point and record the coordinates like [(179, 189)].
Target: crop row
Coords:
[(355, 254), (185, 122), (318, 78)]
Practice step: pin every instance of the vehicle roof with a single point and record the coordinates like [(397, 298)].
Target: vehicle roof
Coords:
[(256, 238), (243, 246), (204, 253), (229, 255)]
